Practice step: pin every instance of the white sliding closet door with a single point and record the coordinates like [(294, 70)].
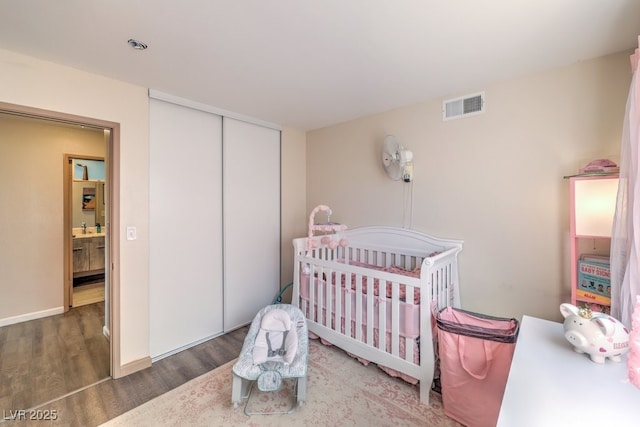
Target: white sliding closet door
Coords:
[(185, 227), (251, 218)]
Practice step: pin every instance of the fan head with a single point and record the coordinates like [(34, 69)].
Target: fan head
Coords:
[(395, 158)]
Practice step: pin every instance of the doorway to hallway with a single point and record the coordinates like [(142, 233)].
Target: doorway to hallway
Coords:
[(35, 212)]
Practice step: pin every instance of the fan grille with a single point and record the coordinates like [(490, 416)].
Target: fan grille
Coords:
[(394, 158)]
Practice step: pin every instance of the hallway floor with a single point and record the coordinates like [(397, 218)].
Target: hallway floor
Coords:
[(46, 358), (88, 294)]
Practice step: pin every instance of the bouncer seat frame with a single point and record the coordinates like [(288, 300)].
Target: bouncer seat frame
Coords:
[(253, 367)]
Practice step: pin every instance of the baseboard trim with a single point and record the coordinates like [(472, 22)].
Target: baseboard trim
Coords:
[(135, 366), (31, 316)]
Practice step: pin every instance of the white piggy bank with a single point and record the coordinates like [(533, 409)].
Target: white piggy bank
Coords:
[(597, 334)]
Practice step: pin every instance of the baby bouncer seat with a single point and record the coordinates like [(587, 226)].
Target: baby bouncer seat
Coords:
[(275, 349)]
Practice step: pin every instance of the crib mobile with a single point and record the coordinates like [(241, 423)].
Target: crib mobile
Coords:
[(330, 231)]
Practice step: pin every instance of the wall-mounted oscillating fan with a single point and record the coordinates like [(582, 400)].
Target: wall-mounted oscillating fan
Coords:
[(396, 160)]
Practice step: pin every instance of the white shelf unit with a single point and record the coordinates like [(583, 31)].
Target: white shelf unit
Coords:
[(592, 206)]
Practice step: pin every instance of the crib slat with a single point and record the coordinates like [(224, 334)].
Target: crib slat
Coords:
[(382, 315), (329, 284), (370, 299), (312, 298), (395, 319), (410, 292), (348, 315), (358, 319), (321, 312), (338, 292)]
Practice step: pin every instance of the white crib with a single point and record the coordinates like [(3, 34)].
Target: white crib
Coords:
[(385, 283)]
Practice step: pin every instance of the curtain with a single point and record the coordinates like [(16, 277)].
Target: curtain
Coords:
[(625, 237)]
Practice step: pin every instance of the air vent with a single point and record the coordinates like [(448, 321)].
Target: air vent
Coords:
[(467, 105)]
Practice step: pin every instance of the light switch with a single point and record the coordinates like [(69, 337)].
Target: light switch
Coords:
[(131, 233)]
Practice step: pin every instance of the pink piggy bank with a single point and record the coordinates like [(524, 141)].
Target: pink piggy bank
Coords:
[(597, 334)]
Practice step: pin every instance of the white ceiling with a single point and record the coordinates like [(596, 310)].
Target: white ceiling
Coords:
[(307, 64)]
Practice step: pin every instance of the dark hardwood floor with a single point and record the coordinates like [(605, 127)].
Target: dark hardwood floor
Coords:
[(101, 402)]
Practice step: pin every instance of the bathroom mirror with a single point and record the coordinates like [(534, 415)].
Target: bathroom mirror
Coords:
[(88, 202)]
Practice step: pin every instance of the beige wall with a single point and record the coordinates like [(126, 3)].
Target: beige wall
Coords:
[(494, 180), (31, 191), (34, 83), (293, 199)]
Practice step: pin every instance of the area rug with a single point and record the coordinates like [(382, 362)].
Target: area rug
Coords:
[(340, 392)]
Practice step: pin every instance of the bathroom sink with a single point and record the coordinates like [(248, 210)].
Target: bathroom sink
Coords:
[(76, 232), (88, 234)]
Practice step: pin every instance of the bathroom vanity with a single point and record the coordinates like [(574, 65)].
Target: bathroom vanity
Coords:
[(88, 254)]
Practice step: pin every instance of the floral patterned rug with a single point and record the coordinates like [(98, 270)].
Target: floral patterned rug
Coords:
[(340, 392)]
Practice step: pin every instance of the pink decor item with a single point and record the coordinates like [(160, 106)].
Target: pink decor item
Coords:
[(596, 334), (327, 227), (600, 166), (633, 359)]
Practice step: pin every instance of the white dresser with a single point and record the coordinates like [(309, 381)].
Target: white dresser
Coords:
[(549, 384)]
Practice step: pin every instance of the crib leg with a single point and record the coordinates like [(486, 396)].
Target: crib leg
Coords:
[(425, 389)]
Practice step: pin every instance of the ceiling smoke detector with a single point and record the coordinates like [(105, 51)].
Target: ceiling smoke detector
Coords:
[(137, 44)]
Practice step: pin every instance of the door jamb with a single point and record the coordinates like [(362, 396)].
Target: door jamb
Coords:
[(68, 213)]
